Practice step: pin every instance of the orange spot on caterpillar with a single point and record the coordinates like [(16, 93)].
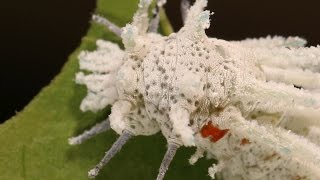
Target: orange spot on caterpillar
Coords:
[(214, 132), (245, 141)]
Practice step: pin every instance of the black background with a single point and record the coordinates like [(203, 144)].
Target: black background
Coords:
[(36, 36)]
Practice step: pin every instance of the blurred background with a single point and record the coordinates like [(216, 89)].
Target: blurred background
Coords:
[(37, 36)]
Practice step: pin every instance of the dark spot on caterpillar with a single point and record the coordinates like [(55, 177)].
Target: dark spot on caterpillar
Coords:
[(270, 156), (164, 85), (298, 87), (245, 141)]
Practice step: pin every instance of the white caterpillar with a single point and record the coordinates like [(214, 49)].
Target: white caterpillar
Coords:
[(234, 101)]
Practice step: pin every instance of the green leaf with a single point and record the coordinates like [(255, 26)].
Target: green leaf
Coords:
[(33, 144)]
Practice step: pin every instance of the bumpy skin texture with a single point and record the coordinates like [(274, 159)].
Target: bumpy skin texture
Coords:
[(195, 89)]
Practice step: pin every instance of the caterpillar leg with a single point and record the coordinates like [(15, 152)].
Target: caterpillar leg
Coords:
[(103, 64), (96, 129), (196, 156), (286, 60), (184, 7), (180, 119), (291, 108), (301, 120), (140, 18), (154, 23), (272, 42), (272, 97), (302, 78), (168, 157), (215, 168), (108, 24), (116, 147), (290, 58), (118, 112), (284, 53)]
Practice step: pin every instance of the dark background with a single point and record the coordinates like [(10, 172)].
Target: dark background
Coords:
[(36, 36)]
